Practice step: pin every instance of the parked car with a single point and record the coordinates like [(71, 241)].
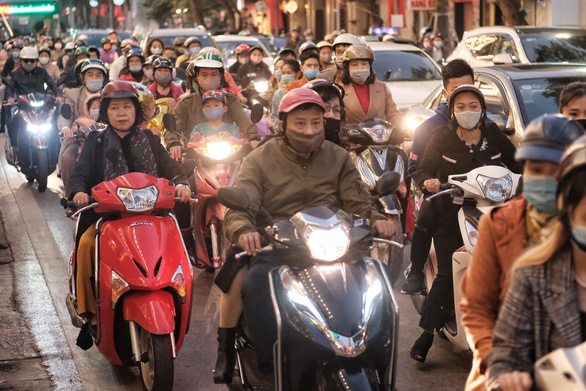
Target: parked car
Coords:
[(94, 37), (486, 46), (228, 45), (410, 74), (515, 94), (169, 35)]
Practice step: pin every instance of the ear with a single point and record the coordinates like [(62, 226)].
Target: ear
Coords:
[(445, 93), (281, 124)]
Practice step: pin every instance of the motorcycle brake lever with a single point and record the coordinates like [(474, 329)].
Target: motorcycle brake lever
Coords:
[(263, 249), (90, 206), (191, 199), (449, 191), (380, 240)]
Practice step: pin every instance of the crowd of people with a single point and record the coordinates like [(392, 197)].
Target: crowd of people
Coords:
[(316, 89)]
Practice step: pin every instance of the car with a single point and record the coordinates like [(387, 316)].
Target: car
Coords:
[(515, 94), (94, 37), (410, 74), (228, 45), (487, 46), (279, 43), (169, 35)]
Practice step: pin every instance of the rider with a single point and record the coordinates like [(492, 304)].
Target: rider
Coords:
[(122, 148), (325, 54), (132, 71), (305, 172), (68, 78), (205, 74), (147, 69), (309, 69), (253, 70), (467, 143), (214, 108), (508, 230), (333, 96), (290, 71), (45, 62), (242, 57), (544, 306), (192, 47), (163, 86), (364, 93), (108, 55), (341, 43)]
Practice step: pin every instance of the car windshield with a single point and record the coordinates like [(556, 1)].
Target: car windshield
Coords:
[(95, 39), (567, 46), (168, 40), (539, 96), (404, 66), (231, 45), (266, 42)]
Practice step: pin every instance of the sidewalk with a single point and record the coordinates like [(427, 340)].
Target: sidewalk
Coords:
[(21, 365)]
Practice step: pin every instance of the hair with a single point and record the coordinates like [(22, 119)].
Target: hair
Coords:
[(105, 103), (572, 91), (456, 69), (91, 101), (150, 44), (306, 55), (256, 48), (293, 64), (328, 94), (346, 79), (168, 48)]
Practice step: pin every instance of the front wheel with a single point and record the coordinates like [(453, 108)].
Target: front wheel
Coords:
[(157, 372), (391, 255), (42, 169)]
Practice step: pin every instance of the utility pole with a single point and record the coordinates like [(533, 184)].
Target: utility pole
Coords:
[(111, 6)]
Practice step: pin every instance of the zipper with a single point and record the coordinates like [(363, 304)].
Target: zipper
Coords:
[(306, 201)]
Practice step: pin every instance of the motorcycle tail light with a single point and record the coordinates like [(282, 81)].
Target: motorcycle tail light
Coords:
[(119, 287), (178, 283), (138, 200)]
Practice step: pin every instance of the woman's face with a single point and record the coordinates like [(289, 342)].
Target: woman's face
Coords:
[(134, 60), (466, 101), (95, 105), (287, 70), (536, 167), (579, 214), (279, 65), (333, 109), (121, 114), (157, 45), (93, 54), (358, 64), (256, 57), (576, 108)]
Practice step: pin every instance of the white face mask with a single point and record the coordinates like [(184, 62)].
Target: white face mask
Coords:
[(468, 120), (149, 74), (94, 113), (58, 45), (359, 76), (44, 60), (156, 50), (426, 44)]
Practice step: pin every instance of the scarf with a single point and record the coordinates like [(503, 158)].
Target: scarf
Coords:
[(141, 155), (539, 225)]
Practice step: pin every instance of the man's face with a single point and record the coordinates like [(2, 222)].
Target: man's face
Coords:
[(310, 121), (340, 49), (93, 74), (310, 63), (169, 53), (456, 82)]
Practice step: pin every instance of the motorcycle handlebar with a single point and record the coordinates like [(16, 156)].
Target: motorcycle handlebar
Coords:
[(263, 249)]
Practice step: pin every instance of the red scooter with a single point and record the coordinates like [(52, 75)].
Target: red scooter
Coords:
[(142, 277)]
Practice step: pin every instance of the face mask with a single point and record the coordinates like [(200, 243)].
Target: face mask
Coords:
[(213, 114), (287, 79), (438, 44), (135, 68), (94, 113), (148, 73), (209, 83), (311, 74), (114, 47), (468, 120), (278, 74), (156, 50), (28, 66), (69, 52), (540, 191), (305, 143), (581, 122), (194, 51), (164, 79), (243, 60), (339, 61), (44, 60), (45, 45), (324, 58), (332, 130), (359, 76), (579, 236), (94, 85), (58, 45), (15, 54), (195, 87), (426, 44)]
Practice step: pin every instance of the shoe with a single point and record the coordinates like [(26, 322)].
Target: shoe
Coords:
[(421, 347), (226, 356), (414, 282)]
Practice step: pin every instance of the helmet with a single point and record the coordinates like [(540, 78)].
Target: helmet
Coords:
[(346, 39), (191, 40), (308, 32), (126, 42), (547, 137), (162, 62), (151, 59), (242, 48), (298, 97), (358, 52), (81, 40), (210, 49), (93, 63), (119, 89), (82, 50), (573, 161), (388, 38), (323, 85), (463, 88), (306, 45), (105, 40), (146, 99), (45, 50), (17, 44), (323, 44), (68, 46), (209, 60), (179, 41), (29, 53), (137, 53), (213, 94), (287, 51)]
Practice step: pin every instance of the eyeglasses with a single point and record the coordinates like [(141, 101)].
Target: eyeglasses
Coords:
[(29, 61), (337, 110)]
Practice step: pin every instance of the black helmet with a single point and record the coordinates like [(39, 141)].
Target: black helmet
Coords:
[(105, 40), (547, 137), (151, 59), (162, 62), (573, 161)]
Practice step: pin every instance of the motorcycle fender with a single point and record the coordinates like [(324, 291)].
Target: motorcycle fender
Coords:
[(154, 311), (391, 205), (40, 143), (214, 208)]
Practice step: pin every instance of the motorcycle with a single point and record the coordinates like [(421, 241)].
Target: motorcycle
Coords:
[(257, 92), (143, 277), (374, 146), (562, 369), (37, 138), (478, 191), (336, 314)]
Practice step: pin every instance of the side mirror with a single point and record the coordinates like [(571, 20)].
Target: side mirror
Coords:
[(234, 198), (387, 75), (502, 58), (498, 120), (66, 111), (187, 167), (170, 122), (388, 183), (256, 113)]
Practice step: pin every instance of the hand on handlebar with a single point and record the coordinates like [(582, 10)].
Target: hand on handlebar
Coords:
[(515, 381), (10, 101), (67, 132), (183, 192), (250, 242), (432, 185), (385, 228), (81, 199), (175, 153)]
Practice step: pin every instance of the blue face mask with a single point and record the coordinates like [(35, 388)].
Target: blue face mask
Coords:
[(195, 87), (278, 74), (540, 191), (213, 114), (194, 51), (579, 235), (438, 44), (310, 74), (15, 54)]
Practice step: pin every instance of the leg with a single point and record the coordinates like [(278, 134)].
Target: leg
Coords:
[(13, 125), (67, 159), (231, 302), (86, 302)]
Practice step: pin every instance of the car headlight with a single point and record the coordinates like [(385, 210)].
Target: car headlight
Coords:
[(178, 283), (261, 86), (138, 200), (496, 189), (218, 150), (119, 287), (412, 123), (471, 232), (379, 133), (327, 244)]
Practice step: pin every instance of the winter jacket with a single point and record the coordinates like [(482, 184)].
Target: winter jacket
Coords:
[(52, 70), (290, 184), (24, 82), (175, 91), (502, 238), (540, 313), (74, 97), (250, 72), (296, 84), (381, 105), (423, 134)]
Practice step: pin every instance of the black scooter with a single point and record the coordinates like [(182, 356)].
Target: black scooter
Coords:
[(335, 310)]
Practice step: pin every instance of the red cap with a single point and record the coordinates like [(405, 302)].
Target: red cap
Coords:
[(298, 97)]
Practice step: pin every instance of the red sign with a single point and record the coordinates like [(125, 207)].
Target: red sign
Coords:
[(423, 5), (121, 19)]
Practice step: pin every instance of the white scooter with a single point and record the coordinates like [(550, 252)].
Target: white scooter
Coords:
[(478, 191), (562, 369)]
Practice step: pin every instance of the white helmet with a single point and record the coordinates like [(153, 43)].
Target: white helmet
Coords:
[(346, 39), (210, 49), (29, 53), (69, 45)]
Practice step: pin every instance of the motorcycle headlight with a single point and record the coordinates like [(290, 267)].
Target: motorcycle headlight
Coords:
[(119, 287), (178, 283), (379, 133), (261, 86), (496, 189), (38, 128), (327, 244), (138, 200), (412, 123), (471, 232), (218, 150)]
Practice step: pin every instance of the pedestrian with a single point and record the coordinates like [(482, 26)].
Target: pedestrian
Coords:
[(294, 41), (438, 50)]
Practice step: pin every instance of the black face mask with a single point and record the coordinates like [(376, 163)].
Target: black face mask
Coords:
[(582, 122), (332, 130)]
